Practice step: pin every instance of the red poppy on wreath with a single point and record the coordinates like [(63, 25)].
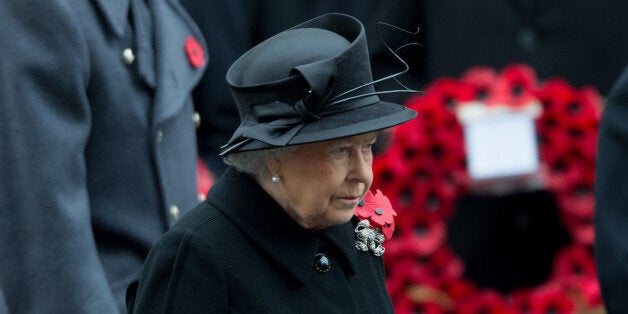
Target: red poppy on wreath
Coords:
[(443, 265), (194, 52), (378, 210), (578, 200), (554, 95), (515, 88), (426, 237), (481, 80), (437, 198), (550, 299), (590, 289), (459, 290), (445, 93), (520, 300), (561, 172), (403, 272), (581, 229), (573, 264), (385, 171)]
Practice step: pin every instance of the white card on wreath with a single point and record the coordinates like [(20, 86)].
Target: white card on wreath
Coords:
[(501, 145)]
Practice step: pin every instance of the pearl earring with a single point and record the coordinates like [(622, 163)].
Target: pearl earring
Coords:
[(275, 178)]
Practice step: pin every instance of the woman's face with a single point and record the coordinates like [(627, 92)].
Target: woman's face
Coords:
[(321, 183)]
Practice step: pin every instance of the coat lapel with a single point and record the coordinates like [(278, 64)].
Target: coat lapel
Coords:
[(115, 13), (176, 76)]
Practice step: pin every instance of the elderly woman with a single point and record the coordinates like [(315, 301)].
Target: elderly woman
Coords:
[(277, 232)]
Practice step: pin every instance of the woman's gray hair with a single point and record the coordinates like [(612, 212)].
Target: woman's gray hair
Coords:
[(254, 162)]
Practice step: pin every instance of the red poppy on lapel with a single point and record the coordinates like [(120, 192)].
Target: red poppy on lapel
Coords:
[(194, 51), (378, 210)]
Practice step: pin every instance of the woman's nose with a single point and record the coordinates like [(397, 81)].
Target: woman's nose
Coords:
[(361, 167)]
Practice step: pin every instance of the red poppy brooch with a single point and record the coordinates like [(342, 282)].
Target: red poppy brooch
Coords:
[(377, 222), (194, 52)]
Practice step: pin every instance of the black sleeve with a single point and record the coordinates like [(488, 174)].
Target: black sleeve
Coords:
[(611, 197)]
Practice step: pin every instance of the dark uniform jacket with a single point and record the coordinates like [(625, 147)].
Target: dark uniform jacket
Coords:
[(611, 199), (239, 252), (97, 150)]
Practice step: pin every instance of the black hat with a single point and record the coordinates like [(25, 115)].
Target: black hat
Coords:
[(307, 84)]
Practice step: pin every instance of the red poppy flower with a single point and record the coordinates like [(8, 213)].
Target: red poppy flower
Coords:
[(578, 200), (555, 95), (408, 134), (444, 265), (515, 87), (204, 179), (194, 52), (590, 289), (581, 229), (561, 172), (431, 112), (436, 198), (446, 146), (378, 210), (400, 271), (581, 143), (550, 299), (553, 143), (519, 300), (481, 79), (572, 264), (419, 236), (388, 167), (460, 290), (582, 108), (401, 195)]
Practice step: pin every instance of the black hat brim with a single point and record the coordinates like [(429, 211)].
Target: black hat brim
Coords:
[(378, 116)]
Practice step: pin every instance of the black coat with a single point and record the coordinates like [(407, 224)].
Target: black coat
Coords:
[(240, 252), (611, 199)]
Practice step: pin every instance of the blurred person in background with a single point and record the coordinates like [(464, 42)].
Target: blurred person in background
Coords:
[(97, 145)]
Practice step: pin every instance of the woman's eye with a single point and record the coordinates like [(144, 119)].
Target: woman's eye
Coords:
[(341, 151)]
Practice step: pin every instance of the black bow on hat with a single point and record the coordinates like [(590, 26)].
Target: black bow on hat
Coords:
[(310, 83)]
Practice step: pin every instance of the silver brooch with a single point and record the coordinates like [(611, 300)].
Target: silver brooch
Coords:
[(367, 238)]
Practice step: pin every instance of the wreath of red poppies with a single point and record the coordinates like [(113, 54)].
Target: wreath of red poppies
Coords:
[(424, 171)]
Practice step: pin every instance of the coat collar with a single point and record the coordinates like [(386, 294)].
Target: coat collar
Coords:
[(176, 77), (115, 13), (270, 228)]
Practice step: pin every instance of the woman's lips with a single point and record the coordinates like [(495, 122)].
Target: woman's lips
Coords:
[(350, 200)]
